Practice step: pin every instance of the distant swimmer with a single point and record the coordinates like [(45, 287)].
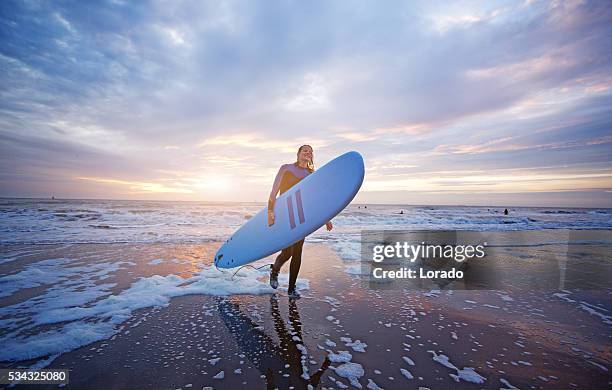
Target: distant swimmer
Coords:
[(401, 211), (505, 211)]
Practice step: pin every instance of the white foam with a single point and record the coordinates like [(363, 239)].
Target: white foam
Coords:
[(408, 360), (598, 365), (443, 360), (506, 298), (67, 338), (156, 261), (506, 383), (356, 269), (469, 375), (352, 372), (100, 320), (466, 373), (340, 357), (330, 343), (406, 373), (594, 310), (220, 375), (51, 272), (589, 308), (564, 297), (356, 345), (74, 285)]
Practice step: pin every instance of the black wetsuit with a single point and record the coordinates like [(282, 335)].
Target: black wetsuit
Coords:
[(288, 175)]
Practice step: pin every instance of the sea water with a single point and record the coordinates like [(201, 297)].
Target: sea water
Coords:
[(73, 301), (43, 221)]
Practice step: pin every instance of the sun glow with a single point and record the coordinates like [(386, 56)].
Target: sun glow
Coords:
[(139, 186), (213, 183)]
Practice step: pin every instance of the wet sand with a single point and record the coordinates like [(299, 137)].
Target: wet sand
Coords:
[(526, 339)]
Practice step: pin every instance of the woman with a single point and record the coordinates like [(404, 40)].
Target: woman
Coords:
[(288, 175)]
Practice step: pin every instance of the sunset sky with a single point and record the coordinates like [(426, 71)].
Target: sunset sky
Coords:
[(491, 103)]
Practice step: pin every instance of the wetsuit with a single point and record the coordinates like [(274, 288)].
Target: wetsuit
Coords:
[(288, 175)]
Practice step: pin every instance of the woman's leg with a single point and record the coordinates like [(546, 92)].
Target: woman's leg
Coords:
[(276, 267), (282, 258), (296, 261)]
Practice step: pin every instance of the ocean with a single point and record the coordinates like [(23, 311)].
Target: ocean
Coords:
[(129, 286), (44, 221)]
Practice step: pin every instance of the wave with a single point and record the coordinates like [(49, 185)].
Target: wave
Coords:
[(142, 211), (103, 227), (130, 221)]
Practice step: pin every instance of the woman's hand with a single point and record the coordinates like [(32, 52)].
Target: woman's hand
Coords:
[(329, 226), (270, 218)]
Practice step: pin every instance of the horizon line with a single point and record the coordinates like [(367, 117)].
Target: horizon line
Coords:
[(264, 202)]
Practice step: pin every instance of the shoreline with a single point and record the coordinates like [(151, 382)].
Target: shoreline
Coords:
[(501, 335)]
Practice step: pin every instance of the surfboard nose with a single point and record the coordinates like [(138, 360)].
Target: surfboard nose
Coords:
[(218, 258), (356, 157), (357, 160)]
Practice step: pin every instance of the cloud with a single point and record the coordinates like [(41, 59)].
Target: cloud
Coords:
[(66, 24), (311, 94), (503, 145), (258, 142), (493, 182), (138, 186), (183, 86), (175, 36)]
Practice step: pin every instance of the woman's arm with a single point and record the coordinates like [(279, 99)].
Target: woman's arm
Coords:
[(273, 193)]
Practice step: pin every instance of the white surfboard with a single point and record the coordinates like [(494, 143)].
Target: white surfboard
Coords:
[(307, 206)]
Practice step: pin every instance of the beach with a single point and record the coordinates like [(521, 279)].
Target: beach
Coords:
[(161, 316), (446, 168)]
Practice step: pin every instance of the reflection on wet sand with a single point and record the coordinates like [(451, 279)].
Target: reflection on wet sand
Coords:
[(283, 365)]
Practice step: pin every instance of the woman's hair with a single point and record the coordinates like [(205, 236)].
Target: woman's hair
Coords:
[(310, 164)]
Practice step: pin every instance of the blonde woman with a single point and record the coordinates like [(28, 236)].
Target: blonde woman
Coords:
[(289, 175)]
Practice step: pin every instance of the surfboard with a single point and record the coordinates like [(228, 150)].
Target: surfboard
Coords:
[(301, 210)]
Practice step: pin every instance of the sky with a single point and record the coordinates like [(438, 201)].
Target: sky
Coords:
[(457, 103)]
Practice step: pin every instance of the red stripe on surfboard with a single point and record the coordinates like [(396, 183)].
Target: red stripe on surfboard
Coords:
[(298, 203), (291, 216)]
